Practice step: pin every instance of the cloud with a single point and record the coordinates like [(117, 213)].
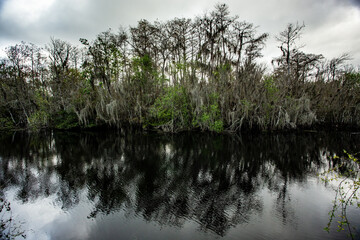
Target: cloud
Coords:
[(337, 35), (38, 20), (356, 2)]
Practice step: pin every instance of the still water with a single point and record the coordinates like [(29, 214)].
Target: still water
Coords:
[(131, 185)]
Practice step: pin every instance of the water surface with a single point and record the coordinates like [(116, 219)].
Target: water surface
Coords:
[(131, 185)]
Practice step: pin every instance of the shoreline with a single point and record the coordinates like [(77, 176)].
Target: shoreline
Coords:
[(318, 127)]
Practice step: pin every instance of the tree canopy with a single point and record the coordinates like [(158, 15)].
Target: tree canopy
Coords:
[(181, 74)]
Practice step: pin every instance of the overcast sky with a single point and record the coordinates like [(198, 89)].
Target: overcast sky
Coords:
[(332, 26)]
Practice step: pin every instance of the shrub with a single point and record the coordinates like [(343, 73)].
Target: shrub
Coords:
[(38, 120), (171, 111), (210, 116), (65, 120)]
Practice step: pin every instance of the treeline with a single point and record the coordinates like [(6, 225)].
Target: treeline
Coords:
[(182, 74)]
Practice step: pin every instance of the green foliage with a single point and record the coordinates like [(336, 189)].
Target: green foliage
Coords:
[(143, 70), (270, 86), (217, 126), (81, 91), (38, 120), (352, 79), (106, 61), (6, 124), (346, 174), (210, 117), (159, 74), (65, 120), (181, 66), (172, 108), (222, 73)]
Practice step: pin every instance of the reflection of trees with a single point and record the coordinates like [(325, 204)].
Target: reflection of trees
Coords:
[(213, 180)]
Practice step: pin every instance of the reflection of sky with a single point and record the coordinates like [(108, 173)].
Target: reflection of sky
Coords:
[(47, 221), (170, 194), (35, 214), (303, 206), (306, 209), (43, 219)]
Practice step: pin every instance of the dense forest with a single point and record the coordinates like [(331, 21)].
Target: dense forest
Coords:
[(182, 74)]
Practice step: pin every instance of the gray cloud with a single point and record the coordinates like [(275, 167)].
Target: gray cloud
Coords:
[(330, 24), (356, 2)]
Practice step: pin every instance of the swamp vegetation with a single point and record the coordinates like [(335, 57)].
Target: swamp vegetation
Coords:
[(345, 173), (182, 74)]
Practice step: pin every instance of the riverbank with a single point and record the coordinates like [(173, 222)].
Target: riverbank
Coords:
[(178, 76), (318, 127)]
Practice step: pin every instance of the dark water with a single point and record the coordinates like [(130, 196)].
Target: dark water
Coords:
[(128, 185)]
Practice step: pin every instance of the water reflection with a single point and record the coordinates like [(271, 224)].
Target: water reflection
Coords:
[(214, 180)]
